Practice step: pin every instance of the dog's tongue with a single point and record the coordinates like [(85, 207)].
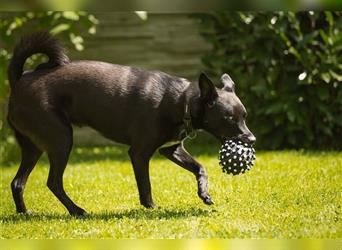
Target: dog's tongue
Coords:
[(236, 157)]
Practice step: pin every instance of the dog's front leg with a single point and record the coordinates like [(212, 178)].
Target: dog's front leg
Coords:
[(181, 157), (140, 161)]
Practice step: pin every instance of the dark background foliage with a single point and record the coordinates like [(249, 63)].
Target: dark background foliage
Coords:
[(287, 65), (288, 72)]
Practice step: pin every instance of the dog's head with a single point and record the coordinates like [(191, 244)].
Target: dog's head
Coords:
[(224, 114)]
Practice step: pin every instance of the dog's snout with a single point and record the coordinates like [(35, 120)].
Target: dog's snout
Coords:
[(249, 138)]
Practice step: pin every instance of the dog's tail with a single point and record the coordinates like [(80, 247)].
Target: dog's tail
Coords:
[(40, 42)]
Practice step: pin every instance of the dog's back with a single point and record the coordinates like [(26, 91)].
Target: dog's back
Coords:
[(120, 102)]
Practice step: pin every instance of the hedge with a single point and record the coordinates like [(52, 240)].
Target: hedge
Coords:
[(288, 70)]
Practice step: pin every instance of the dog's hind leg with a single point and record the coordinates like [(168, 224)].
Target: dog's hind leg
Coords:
[(29, 157), (58, 151), (52, 133), (181, 157)]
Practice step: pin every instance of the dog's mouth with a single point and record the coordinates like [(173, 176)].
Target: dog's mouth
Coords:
[(225, 138)]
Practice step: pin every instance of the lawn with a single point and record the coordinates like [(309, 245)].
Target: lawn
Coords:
[(287, 194)]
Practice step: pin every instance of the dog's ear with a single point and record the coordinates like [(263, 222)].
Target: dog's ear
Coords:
[(227, 83), (207, 89)]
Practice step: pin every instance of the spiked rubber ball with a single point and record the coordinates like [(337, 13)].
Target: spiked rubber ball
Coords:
[(236, 157)]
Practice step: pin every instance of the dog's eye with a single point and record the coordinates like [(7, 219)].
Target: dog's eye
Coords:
[(211, 104), (229, 118)]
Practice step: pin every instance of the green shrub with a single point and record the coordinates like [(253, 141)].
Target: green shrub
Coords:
[(288, 71), (14, 25)]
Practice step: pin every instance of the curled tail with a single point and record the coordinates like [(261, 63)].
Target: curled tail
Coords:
[(40, 42)]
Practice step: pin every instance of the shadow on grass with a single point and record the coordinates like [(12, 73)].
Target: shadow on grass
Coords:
[(135, 214)]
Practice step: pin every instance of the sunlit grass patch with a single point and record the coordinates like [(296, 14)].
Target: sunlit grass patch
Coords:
[(289, 194)]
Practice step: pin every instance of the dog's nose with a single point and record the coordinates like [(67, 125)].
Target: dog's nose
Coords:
[(251, 139)]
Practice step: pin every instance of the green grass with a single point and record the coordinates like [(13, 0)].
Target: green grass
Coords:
[(288, 194)]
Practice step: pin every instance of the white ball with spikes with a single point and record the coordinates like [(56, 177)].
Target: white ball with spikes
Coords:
[(236, 157)]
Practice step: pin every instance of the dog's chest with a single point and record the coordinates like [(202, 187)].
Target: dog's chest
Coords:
[(178, 136)]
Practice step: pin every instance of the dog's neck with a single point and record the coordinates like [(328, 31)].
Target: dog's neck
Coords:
[(193, 106)]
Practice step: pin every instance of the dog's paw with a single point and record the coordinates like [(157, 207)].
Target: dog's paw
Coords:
[(206, 199), (149, 205), (79, 213)]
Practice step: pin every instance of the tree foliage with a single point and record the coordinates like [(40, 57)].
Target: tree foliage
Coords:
[(288, 70), (68, 24)]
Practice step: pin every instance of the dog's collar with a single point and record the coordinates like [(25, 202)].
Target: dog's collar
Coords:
[(189, 130)]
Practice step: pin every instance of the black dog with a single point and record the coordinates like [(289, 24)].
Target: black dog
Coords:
[(143, 109)]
